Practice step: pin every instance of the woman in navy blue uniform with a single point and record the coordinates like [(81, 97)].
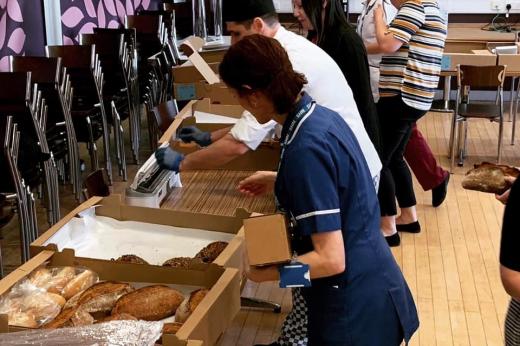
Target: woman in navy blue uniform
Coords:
[(358, 295)]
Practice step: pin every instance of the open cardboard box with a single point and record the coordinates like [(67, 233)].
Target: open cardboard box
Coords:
[(267, 240), (213, 315), (113, 207), (265, 157)]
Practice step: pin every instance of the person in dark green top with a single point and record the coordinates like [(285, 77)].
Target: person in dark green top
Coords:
[(328, 28)]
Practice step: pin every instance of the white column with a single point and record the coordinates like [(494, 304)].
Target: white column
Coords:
[(52, 10)]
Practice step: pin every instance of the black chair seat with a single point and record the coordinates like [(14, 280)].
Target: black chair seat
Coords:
[(475, 110), (442, 106)]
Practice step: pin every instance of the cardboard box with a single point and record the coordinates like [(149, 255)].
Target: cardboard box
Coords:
[(113, 207), (213, 315), (265, 157), (218, 92), (267, 240)]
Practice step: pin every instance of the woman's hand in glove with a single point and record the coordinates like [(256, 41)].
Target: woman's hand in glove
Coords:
[(193, 134), (168, 158)]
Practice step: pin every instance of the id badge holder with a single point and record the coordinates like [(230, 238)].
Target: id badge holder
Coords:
[(294, 274)]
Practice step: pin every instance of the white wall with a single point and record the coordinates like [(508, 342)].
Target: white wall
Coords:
[(452, 6)]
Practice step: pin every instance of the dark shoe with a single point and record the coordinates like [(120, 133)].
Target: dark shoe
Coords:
[(439, 192), (413, 227), (393, 240)]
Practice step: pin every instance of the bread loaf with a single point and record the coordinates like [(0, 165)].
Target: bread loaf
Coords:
[(130, 259), (117, 317), (189, 305), (210, 253), (81, 318), (79, 283), (171, 328), (181, 262), (151, 303), (62, 320), (103, 296), (490, 178)]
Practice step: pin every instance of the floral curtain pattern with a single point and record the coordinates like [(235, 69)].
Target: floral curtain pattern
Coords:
[(82, 16), (22, 29)]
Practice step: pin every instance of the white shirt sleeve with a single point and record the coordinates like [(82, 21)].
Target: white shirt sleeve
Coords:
[(250, 132)]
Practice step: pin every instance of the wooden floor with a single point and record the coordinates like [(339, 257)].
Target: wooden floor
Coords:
[(451, 266)]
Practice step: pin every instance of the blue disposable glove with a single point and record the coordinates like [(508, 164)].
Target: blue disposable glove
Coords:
[(193, 134), (168, 158)]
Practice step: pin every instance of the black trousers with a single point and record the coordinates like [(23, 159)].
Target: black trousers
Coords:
[(396, 120)]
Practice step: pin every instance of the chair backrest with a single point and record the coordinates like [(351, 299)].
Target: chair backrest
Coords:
[(129, 34), (78, 56), (96, 183), (167, 16), (481, 77), (106, 44), (16, 87), (164, 114), (144, 24), (183, 17), (43, 70)]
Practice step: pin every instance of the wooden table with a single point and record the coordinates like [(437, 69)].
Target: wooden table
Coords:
[(465, 38)]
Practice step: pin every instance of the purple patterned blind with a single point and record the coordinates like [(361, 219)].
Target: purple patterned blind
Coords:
[(22, 29), (82, 16)]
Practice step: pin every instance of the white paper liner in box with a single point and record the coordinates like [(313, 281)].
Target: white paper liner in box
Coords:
[(209, 118), (100, 237)]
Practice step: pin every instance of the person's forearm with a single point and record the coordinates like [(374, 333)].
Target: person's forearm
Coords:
[(217, 154), (322, 266), (510, 281), (373, 48), (218, 134)]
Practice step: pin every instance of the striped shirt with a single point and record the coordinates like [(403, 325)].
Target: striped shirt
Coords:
[(413, 71)]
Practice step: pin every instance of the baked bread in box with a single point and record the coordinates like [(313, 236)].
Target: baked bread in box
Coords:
[(490, 178)]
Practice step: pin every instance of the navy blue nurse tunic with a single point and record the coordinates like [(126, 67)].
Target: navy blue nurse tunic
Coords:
[(324, 185)]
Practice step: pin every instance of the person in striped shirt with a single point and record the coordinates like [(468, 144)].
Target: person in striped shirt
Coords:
[(412, 47)]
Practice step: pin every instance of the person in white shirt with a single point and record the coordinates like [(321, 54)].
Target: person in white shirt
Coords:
[(326, 85)]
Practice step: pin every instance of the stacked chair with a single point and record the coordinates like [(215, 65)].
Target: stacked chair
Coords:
[(130, 77), (54, 84), (36, 162), (88, 109), (13, 186)]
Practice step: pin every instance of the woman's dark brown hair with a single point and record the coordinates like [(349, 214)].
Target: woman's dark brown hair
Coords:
[(260, 63)]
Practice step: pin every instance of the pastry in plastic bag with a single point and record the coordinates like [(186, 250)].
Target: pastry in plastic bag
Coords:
[(28, 306), (40, 277), (151, 303), (62, 277), (80, 283), (189, 305), (491, 178), (58, 299), (62, 320), (210, 253)]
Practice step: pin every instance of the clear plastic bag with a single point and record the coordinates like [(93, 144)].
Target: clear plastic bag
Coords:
[(115, 333), (39, 298), (29, 306)]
